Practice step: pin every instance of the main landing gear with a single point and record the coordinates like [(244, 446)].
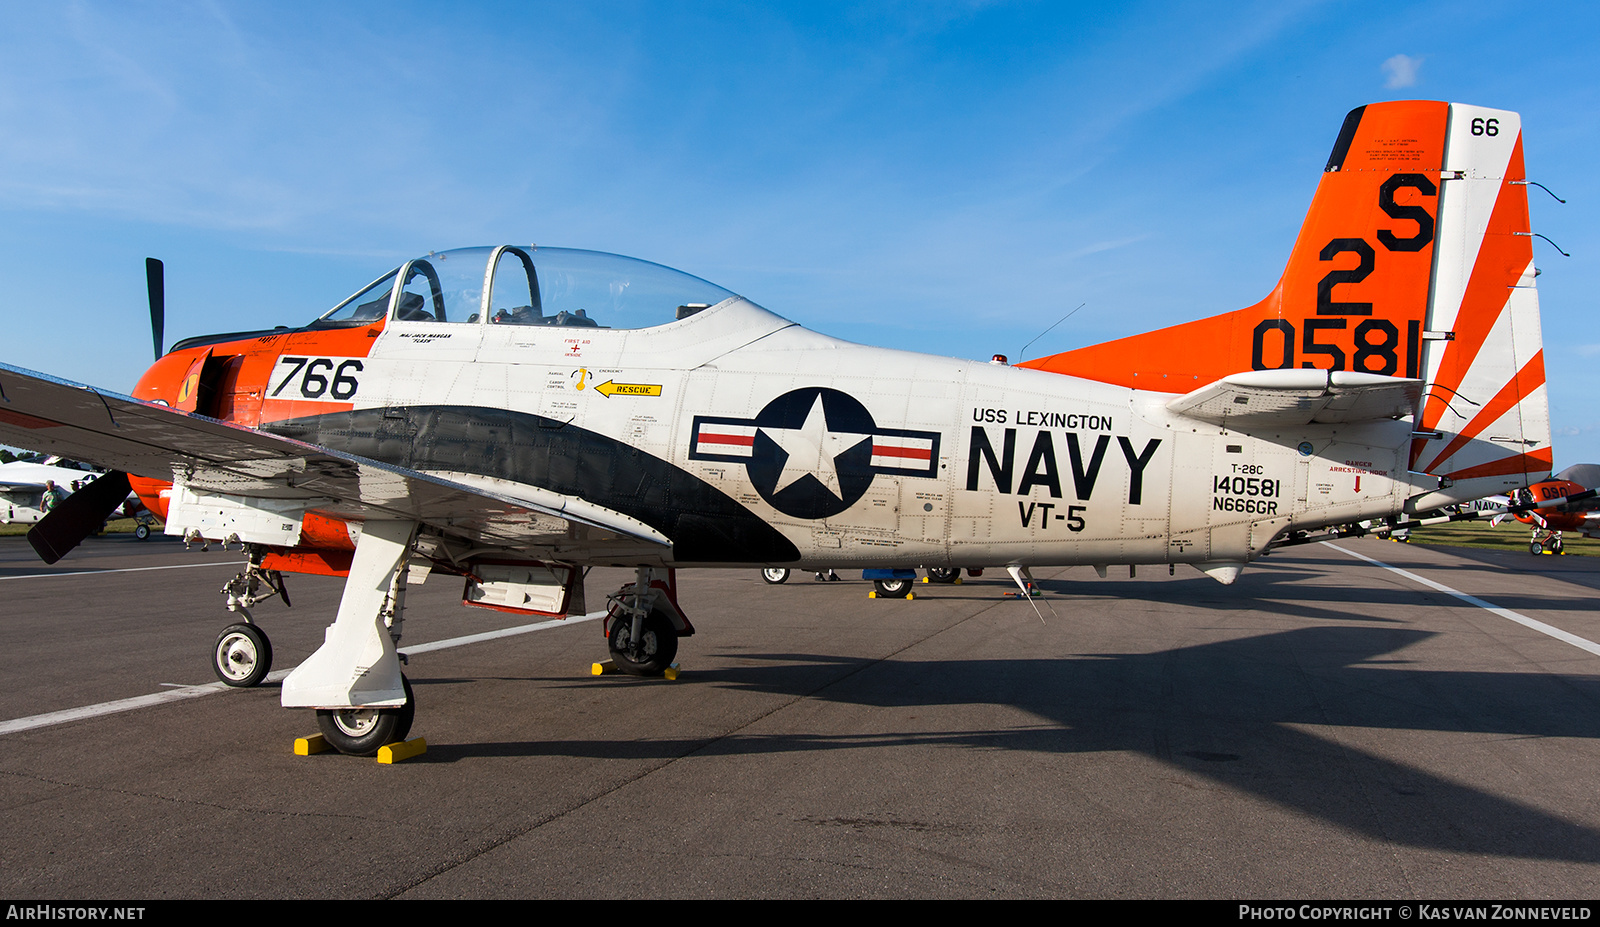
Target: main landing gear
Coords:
[(362, 731), (892, 588), (353, 680), (243, 654), (643, 624), (1550, 542)]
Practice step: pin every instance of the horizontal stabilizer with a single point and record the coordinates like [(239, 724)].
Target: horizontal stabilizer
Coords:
[(1287, 398)]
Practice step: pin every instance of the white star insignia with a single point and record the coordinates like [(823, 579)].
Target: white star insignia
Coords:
[(812, 449)]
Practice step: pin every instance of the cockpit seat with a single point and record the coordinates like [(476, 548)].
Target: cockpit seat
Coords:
[(410, 309), (579, 319), (371, 310), (522, 315)]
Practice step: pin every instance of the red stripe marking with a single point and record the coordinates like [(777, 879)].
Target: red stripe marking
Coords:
[(745, 440), (884, 450)]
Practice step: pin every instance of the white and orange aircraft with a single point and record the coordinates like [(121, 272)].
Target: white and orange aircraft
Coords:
[(513, 415), (1564, 503)]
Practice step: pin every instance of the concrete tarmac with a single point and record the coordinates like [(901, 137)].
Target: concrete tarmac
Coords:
[(1323, 728)]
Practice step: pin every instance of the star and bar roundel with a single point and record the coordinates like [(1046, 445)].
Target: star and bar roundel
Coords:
[(813, 452)]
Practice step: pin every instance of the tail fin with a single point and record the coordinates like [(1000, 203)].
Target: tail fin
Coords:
[(1415, 260)]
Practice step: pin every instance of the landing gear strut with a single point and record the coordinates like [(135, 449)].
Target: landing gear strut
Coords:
[(353, 680), (243, 655)]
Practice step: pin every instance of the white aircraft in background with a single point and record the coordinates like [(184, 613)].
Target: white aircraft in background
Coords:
[(22, 485), (513, 415)]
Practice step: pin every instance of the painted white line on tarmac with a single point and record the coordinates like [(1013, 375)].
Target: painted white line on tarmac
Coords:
[(237, 564), (211, 688), (1506, 613)]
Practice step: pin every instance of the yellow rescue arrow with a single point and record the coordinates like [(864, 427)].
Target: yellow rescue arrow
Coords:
[(608, 388)]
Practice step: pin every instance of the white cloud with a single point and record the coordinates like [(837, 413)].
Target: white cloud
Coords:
[(1402, 71)]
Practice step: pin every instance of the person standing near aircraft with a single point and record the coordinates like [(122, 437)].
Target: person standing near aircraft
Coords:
[(52, 497)]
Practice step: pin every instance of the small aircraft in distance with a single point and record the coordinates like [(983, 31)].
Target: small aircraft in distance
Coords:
[(1561, 504), (1554, 506), (512, 415), (22, 486)]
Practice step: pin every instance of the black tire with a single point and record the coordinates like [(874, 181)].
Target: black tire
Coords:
[(892, 588), (943, 574), (141, 533), (657, 647), (242, 657), (1535, 548), (775, 576), (363, 731), (1555, 546)]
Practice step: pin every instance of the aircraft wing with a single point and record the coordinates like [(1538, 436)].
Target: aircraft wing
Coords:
[(1287, 398), (216, 458)]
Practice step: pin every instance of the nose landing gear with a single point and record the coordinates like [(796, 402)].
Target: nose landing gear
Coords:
[(243, 654)]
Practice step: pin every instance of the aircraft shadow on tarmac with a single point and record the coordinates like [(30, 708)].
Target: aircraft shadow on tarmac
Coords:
[(1239, 712), (1295, 592)]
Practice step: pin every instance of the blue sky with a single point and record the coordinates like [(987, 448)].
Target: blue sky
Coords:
[(944, 177)]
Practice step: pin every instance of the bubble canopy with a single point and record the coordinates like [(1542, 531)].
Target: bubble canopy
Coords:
[(515, 285)]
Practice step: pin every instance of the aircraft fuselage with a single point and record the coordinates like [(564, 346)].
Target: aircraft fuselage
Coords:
[(744, 438)]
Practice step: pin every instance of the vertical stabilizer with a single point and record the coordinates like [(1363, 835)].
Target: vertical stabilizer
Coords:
[(1414, 261)]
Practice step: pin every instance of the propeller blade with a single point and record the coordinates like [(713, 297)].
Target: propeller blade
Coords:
[(78, 516), (155, 282), (1581, 496)]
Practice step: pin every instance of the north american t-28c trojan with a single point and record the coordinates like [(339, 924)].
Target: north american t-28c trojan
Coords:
[(513, 415)]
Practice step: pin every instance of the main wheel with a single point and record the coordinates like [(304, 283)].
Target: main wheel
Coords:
[(943, 574), (361, 731), (1555, 546), (141, 533), (243, 656), (652, 653), (775, 575), (892, 588), (1535, 548)]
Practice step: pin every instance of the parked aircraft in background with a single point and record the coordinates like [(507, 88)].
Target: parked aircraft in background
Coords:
[(513, 415), (22, 486), (1555, 506)]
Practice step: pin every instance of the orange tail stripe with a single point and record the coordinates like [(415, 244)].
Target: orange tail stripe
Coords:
[(1529, 378)]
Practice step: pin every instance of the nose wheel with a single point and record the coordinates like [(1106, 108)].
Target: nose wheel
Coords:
[(243, 656)]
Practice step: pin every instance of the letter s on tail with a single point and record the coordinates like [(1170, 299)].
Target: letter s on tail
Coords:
[(1415, 260)]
